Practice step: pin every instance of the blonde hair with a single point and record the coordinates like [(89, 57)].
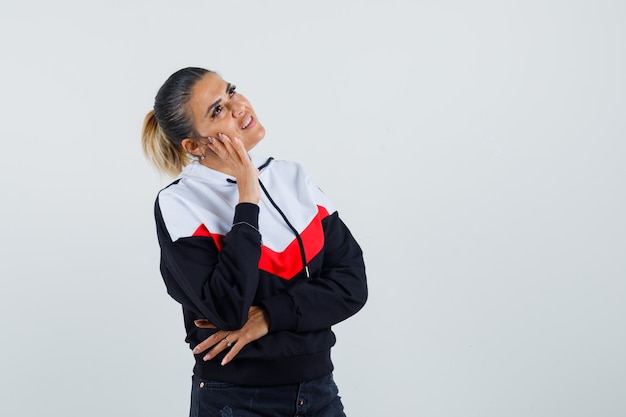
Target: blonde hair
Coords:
[(166, 156), (165, 127)]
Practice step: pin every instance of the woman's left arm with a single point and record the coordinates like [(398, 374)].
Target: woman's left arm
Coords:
[(337, 293)]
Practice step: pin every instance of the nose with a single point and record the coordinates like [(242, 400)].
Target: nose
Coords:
[(237, 109)]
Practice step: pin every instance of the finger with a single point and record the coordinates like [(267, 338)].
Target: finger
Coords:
[(234, 350), (226, 141), (217, 349), (209, 341), (223, 137), (236, 151), (217, 147), (241, 151), (235, 148), (222, 146), (204, 324)]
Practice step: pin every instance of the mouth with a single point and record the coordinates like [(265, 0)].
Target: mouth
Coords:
[(247, 122)]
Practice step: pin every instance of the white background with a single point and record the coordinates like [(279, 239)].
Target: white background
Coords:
[(475, 149)]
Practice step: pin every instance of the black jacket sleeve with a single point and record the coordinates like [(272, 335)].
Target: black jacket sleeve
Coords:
[(336, 293), (217, 285)]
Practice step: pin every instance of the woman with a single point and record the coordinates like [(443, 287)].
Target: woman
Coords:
[(255, 253)]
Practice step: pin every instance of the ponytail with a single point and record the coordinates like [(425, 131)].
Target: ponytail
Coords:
[(167, 157), (165, 127)]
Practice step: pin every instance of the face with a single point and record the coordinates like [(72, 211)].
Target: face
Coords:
[(217, 108)]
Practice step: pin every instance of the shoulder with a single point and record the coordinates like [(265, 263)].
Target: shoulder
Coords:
[(172, 208), (175, 195), (188, 205)]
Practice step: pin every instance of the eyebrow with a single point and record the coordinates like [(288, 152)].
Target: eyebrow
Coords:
[(218, 101)]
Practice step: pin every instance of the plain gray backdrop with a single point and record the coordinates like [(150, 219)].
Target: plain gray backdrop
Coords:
[(475, 149)]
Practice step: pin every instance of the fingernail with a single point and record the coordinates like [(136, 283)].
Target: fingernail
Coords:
[(206, 357), (223, 362), (211, 140), (220, 135), (196, 350)]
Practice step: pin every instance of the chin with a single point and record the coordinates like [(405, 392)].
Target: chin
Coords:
[(258, 138), (253, 145)]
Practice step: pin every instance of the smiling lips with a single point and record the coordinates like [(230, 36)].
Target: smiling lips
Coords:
[(247, 122)]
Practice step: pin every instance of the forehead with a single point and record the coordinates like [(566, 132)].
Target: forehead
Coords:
[(210, 88)]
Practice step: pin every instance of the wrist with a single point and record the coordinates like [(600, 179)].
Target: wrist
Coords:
[(249, 194)]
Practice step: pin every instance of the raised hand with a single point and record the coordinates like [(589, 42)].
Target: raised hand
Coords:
[(235, 159)]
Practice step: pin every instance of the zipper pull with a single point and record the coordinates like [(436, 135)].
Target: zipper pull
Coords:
[(306, 269)]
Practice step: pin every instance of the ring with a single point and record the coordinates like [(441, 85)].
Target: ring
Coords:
[(228, 344)]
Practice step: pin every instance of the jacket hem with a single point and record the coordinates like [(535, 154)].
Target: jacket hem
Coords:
[(255, 372)]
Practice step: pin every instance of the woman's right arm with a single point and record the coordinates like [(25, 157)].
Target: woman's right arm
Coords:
[(219, 285)]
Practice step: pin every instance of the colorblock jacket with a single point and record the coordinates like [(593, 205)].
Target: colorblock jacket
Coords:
[(291, 254)]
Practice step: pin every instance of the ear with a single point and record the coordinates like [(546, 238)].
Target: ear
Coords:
[(191, 146)]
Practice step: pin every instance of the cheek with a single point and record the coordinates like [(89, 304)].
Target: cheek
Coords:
[(229, 129), (213, 129)]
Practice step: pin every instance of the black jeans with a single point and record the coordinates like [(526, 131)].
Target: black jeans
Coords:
[(316, 398)]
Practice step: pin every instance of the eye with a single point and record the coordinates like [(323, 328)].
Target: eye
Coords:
[(218, 109)]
